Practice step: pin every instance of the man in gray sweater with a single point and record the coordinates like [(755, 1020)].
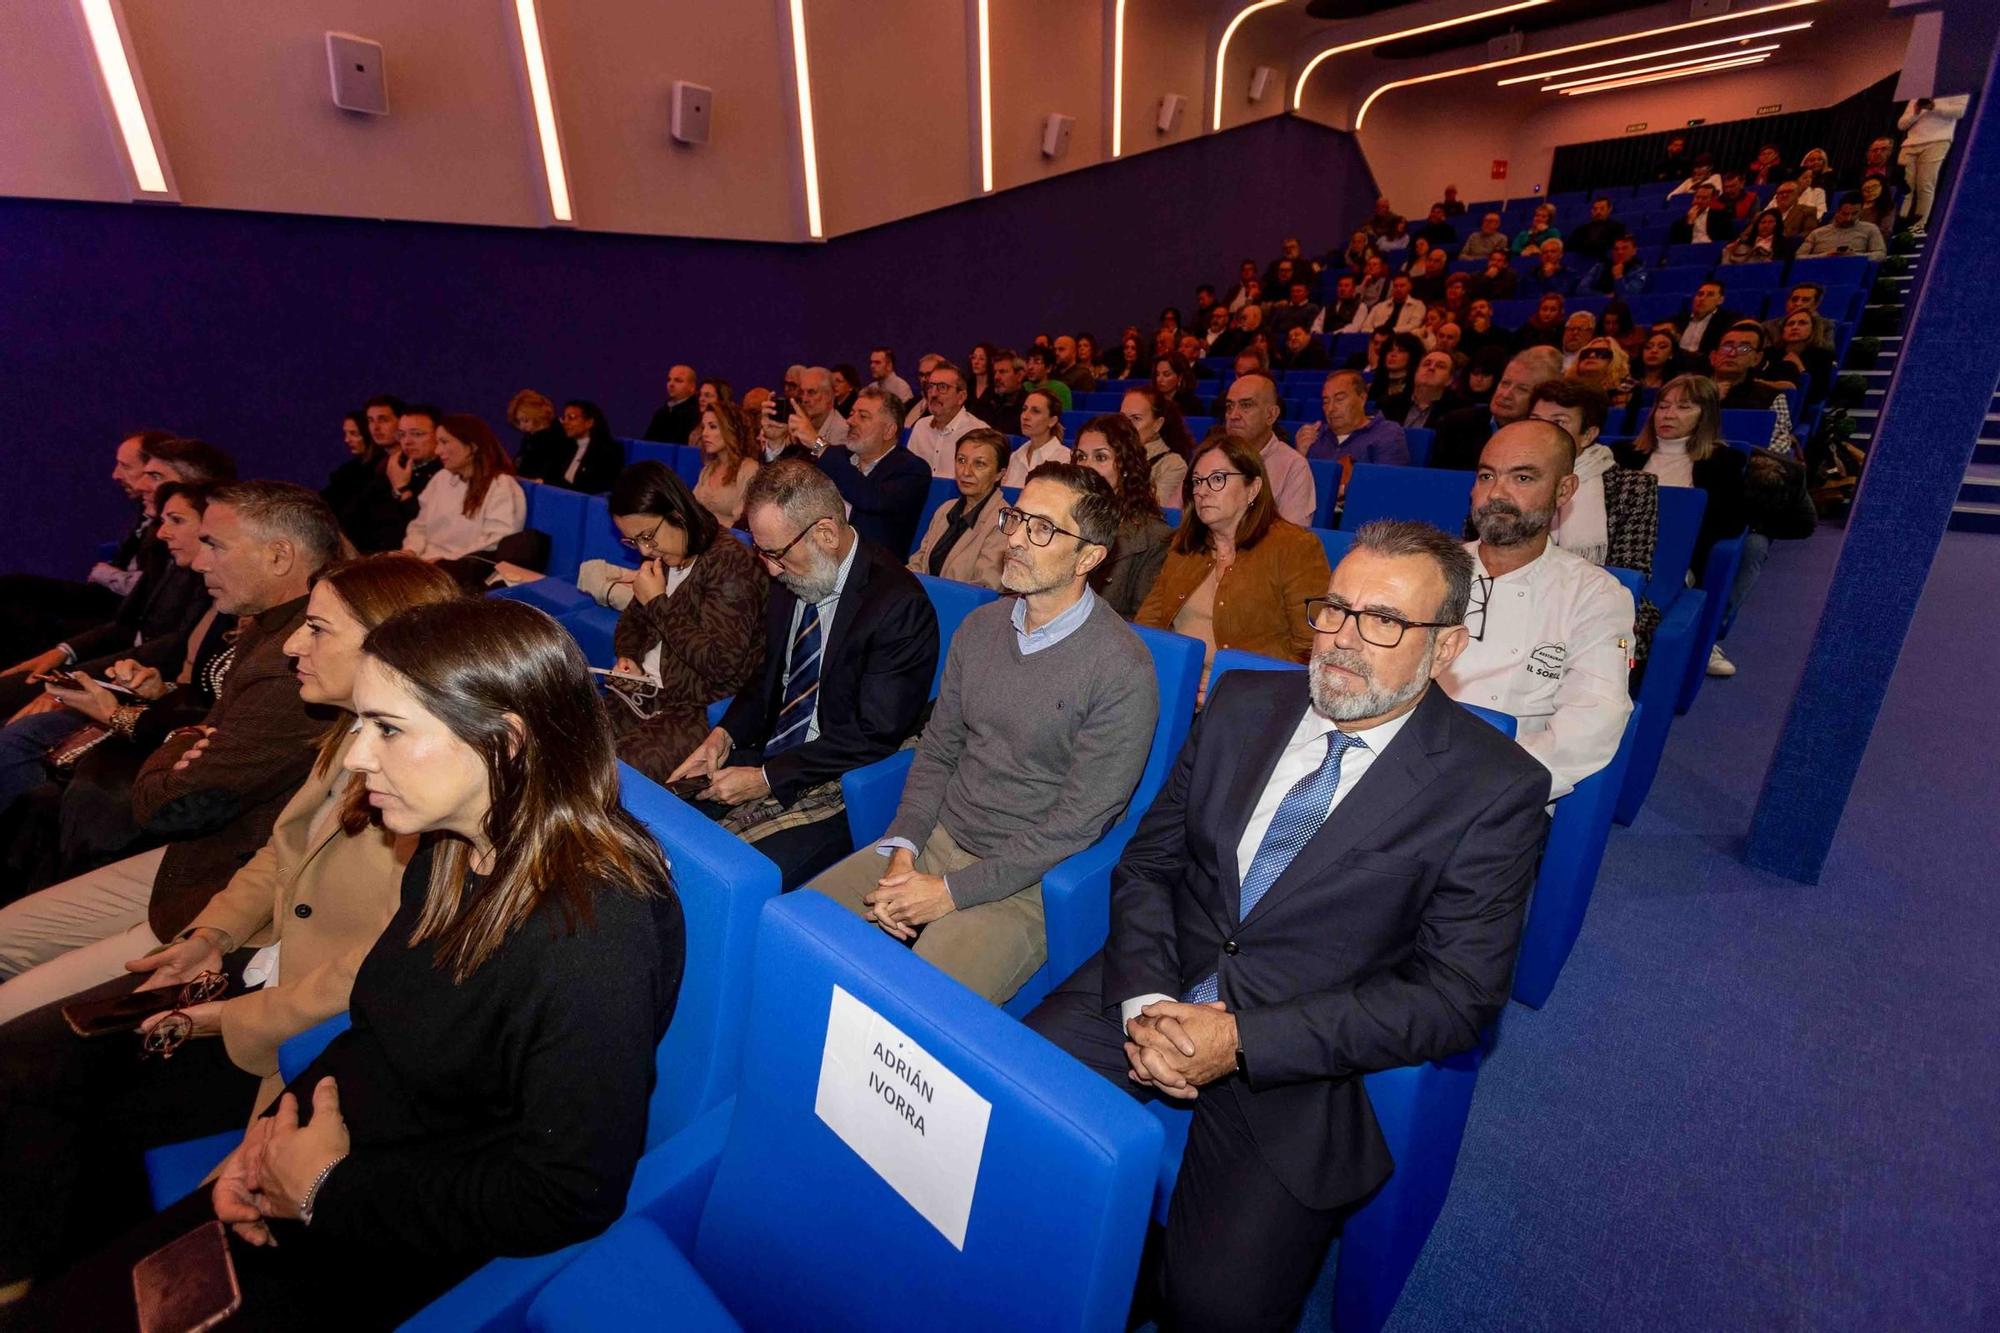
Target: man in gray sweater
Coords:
[(1041, 728)]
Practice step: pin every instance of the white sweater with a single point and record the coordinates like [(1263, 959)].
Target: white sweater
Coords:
[(442, 530)]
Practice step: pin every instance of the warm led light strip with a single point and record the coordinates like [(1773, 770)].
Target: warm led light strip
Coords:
[(1654, 55), (1118, 79), (1708, 59), (808, 145), (1222, 52), (545, 109), (1361, 114), (985, 99), (108, 45), (1299, 88), (1660, 78)]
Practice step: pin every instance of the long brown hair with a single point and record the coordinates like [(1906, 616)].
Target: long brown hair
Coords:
[(735, 431), (1707, 398), (512, 685), (1193, 537), (1136, 500), (489, 460), (1173, 426)]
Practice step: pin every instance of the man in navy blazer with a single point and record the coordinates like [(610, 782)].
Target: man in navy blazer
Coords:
[(851, 649), (1331, 882), (883, 483)]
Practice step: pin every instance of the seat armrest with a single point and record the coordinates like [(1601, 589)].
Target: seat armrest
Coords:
[(872, 793)]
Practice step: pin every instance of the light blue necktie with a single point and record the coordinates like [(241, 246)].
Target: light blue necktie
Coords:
[(1299, 816)]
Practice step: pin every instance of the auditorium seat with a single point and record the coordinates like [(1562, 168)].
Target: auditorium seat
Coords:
[(1679, 281), (559, 514), (1832, 271), (1326, 490), (1717, 578), (1677, 642), (943, 491), (1419, 439), (1750, 427), (1336, 542), (1703, 254), (1380, 490), (762, 1215)]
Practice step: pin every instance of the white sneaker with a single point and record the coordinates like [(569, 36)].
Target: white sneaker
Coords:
[(1718, 665)]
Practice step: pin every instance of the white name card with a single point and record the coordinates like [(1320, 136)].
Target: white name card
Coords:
[(912, 1120)]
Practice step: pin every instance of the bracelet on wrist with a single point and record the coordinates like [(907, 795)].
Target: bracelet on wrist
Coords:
[(312, 1190)]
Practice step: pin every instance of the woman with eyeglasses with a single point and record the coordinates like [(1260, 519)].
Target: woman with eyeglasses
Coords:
[(1109, 446), (1237, 575), (280, 941), (728, 462), (1041, 422), (1164, 437), (693, 632), (491, 1096)]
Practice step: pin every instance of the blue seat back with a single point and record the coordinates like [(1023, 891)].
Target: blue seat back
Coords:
[(723, 883), (601, 538), (1750, 427), (1177, 662), (1419, 439), (953, 601), (1832, 271), (1326, 489), (1681, 509), (1336, 542), (796, 1223), (559, 513), (1377, 490), (943, 491)]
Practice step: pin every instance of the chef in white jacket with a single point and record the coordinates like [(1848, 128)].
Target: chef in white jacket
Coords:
[(1551, 633)]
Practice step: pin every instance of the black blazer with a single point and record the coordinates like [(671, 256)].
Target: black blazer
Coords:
[(1727, 514), (545, 457), (1722, 226), (1459, 436), (152, 623), (1710, 336), (1388, 941), (674, 423), (876, 667), (885, 504)]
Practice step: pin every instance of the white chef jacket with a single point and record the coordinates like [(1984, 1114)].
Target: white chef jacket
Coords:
[(938, 445), (1556, 652)]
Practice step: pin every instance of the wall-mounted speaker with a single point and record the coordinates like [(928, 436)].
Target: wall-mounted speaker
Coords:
[(1055, 134), (359, 76), (1504, 47), (692, 105), (1171, 107), (1261, 79), (1707, 9)]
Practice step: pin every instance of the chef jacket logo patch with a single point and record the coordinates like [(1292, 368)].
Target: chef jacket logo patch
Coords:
[(1547, 660)]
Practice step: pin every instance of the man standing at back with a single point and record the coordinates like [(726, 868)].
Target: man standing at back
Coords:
[(882, 365), (1330, 883), (850, 650), (675, 420), (1000, 790), (1462, 434), (1250, 414)]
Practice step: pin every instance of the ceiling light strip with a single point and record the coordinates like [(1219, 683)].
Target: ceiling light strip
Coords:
[(1361, 114), (1661, 78), (808, 142), (1299, 88), (1118, 78), (128, 108), (536, 59), (1710, 58), (1222, 52), (1651, 55)]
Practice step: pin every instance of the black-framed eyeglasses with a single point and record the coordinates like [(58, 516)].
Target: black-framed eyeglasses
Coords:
[(1041, 531), (649, 541), (1482, 592), (1216, 480), (777, 557), (1384, 629), (165, 1037)]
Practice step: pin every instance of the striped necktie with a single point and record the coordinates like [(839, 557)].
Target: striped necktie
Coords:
[(801, 685)]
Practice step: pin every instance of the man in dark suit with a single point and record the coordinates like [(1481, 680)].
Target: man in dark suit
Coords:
[(1700, 327), (851, 649), (675, 420), (883, 483), (1462, 434), (1707, 219), (1331, 882)]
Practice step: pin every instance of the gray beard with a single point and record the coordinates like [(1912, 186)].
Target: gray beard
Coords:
[(1501, 524), (1372, 701), (818, 585)]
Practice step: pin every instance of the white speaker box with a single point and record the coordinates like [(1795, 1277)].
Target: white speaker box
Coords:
[(1171, 107), (1055, 134), (359, 76), (1260, 82), (692, 105)]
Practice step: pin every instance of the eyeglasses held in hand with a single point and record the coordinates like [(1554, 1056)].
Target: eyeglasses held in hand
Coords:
[(165, 1037), (1384, 629), (1041, 531)]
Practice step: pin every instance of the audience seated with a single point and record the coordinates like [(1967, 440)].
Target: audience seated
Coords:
[(1847, 234), (1346, 432), (1550, 275), (1239, 572), (1700, 327), (846, 383), (1767, 168), (1675, 162), (1077, 375), (1219, 961), (882, 366), (1462, 435), (883, 484), (1701, 172), (589, 457), (999, 793), (1612, 517), (1878, 206), (728, 461), (1109, 446), (1374, 284), (1489, 239), (1041, 424), (1799, 219), (1796, 357), (811, 423), (964, 541), (1762, 242), (1577, 331), (1813, 182), (773, 767), (75, 1113), (349, 483), (1250, 415), (1622, 273), (1601, 364), (675, 420), (1000, 406), (1878, 160), (470, 505), (1681, 444), (1398, 312), (1432, 394), (693, 631), (1549, 635), (1738, 203), (1542, 228), (1164, 437), (1041, 375), (935, 437), (1733, 362), (214, 789), (1705, 220), (1594, 239)]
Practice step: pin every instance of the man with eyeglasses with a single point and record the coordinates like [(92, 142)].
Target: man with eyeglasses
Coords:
[(934, 439), (1332, 881), (850, 649), (884, 484), (1733, 362), (1549, 634), (1041, 729), (1250, 414)]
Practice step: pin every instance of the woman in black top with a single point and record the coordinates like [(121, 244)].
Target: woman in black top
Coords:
[(491, 1096), (586, 458), (1394, 382), (347, 488)]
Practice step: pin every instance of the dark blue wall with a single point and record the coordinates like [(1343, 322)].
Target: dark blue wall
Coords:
[(256, 330)]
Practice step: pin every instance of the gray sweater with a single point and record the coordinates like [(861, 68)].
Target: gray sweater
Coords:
[(1028, 760)]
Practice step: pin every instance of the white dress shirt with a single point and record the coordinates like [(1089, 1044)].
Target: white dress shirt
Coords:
[(1691, 336), (1555, 650), (1028, 457), (1369, 319), (938, 445), (1292, 487), (1303, 754), (442, 530)]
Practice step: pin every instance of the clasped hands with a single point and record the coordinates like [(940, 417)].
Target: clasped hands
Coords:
[(1178, 1048), (906, 898), (276, 1164)]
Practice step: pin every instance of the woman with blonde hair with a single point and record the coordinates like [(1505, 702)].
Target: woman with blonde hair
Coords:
[(728, 461), (1602, 364)]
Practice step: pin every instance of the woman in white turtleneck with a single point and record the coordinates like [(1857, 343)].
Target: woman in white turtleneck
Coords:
[(1682, 445)]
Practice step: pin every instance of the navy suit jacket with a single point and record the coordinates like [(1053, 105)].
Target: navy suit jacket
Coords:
[(1389, 940), (876, 667), (885, 504)]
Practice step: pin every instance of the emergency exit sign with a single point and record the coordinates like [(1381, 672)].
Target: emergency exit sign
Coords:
[(1771, 110), (1636, 127)]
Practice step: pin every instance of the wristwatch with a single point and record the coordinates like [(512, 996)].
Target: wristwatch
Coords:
[(1242, 1063)]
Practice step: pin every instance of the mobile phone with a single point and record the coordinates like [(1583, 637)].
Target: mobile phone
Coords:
[(118, 1013), (187, 1285), (688, 788), (74, 680), (781, 408)]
